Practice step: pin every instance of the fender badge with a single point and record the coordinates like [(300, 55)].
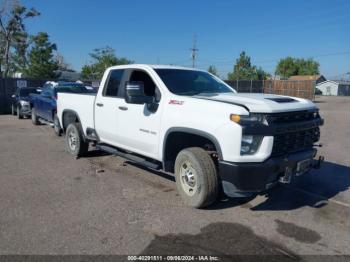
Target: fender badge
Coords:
[(176, 102)]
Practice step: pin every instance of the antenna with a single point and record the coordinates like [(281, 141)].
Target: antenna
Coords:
[(194, 50)]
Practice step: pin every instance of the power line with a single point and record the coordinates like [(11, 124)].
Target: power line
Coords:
[(194, 50), (276, 60)]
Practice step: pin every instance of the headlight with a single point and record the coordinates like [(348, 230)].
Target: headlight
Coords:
[(251, 118), (24, 103), (254, 118), (250, 144)]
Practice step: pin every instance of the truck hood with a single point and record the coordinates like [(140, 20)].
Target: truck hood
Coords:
[(261, 103)]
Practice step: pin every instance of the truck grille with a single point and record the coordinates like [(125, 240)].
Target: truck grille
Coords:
[(296, 141), (291, 117), (291, 142)]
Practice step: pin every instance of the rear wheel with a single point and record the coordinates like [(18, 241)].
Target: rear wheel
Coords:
[(75, 142), (35, 119), (196, 177), (57, 126), (19, 115)]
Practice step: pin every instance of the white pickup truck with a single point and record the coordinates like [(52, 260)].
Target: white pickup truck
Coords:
[(190, 123)]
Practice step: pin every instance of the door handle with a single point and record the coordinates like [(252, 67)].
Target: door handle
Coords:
[(124, 108), (99, 104)]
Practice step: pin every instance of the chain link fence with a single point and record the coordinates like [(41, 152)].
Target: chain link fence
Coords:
[(8, 87)]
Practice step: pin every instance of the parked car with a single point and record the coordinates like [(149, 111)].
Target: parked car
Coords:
[(44, 105), (20, 105), (190, 123)]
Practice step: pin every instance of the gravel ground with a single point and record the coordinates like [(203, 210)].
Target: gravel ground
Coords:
[(52, 203)]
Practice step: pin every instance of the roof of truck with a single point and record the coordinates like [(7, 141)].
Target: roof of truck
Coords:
[(156, 66)]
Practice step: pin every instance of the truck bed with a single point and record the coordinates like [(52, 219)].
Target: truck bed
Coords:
[(82, 104)]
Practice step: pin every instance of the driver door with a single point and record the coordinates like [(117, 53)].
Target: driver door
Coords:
[(138, 125)]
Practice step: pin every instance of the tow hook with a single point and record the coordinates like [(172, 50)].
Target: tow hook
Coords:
[(318, 162)]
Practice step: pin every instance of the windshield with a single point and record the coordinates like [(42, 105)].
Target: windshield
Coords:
[(191, 82), (25, 92)]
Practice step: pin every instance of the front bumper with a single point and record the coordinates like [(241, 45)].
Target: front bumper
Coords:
[(25, 111), (241, 178)]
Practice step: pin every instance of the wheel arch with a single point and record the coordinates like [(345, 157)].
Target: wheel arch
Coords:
[(69, 116), (192, 137)]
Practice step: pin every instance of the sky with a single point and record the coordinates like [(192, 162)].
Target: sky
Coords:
[(159, 31)]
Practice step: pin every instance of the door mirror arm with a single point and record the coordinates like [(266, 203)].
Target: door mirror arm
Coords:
[(153, 105)]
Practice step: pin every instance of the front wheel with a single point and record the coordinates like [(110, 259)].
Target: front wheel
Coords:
[(57, 126), (19, 115), (196, 177), (35, 119), (75, 142), (13, 111)]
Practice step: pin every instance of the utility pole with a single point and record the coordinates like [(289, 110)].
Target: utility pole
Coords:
[(194, 50)]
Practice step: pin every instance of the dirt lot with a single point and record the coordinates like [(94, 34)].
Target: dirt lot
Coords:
[(52, 203)]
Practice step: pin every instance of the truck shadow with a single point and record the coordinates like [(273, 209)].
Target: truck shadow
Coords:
[(313, 189), (164, 175), (96, 153)]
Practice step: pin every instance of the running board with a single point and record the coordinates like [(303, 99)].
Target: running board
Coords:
[(45, 122), (136, 159)]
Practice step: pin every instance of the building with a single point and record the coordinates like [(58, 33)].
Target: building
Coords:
[(334, 88), (317, 78)]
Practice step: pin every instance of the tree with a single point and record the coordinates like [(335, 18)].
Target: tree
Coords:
[(18, 60), (13, 36), (102, 58), (41, 60), (290, 66), (212, 69), (308, 67), (261, 74), (244, 70)]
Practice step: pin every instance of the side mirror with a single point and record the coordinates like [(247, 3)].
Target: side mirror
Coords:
[(135, 93), (13, 96)]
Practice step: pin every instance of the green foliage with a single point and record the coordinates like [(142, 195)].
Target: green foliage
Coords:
[(13, 36), (41, 60), (18, 60), (102, 59), (244, 70), (212, 69), (290, 66)]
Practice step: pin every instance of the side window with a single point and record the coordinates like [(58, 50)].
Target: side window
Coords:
[(113, 83), (149, 85)]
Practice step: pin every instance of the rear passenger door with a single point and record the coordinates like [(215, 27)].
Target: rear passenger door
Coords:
[(106, 108)]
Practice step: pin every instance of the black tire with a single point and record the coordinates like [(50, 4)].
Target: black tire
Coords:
[(57, 126), (205, 188), (13, 112), (35, 119), (19, 115), (75, 143)]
